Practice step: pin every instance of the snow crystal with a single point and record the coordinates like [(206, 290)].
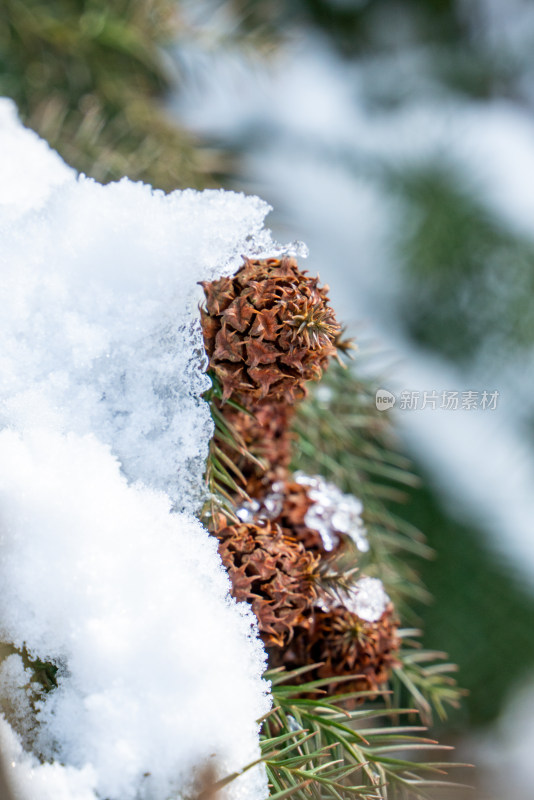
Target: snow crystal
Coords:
[(367, 599), (105, 571), (333, 513)]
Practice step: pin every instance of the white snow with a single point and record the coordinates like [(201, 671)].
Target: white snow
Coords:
[(103, 435), (43, 169), (368, 599)]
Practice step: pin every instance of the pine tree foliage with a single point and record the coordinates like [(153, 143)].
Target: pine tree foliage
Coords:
[(224, 479), (91, 79), (341, 435), (338, 433), (347, 744)]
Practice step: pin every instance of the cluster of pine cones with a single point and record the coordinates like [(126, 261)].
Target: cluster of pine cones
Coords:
[(268, 330)]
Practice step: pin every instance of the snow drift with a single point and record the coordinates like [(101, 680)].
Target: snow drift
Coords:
[(105, 570)]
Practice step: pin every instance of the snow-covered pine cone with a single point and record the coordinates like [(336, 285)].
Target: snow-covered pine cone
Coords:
[(344, 643), (268, 330), (286, 503), (312, 510), (349, 645), (292, 516)]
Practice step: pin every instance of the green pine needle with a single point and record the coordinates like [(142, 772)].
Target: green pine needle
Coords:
[(224, 480), (323, 749), (343, 437)]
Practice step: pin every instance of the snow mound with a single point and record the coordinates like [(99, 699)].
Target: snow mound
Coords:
[(105, 571), (100, 331)]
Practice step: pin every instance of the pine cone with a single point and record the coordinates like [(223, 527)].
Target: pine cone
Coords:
[(274, 573), (285, 502), (312, 510), (347, 645), (296, 505), (354, 633), (268, 330), (266, 434)]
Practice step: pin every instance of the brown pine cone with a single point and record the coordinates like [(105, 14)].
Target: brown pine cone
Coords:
[(312, 510), (266, 434), (274, 573), (296, 504), (268, 330), (348, 646), (345, 643)]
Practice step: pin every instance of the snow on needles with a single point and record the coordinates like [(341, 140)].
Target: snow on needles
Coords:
[(104, 569)]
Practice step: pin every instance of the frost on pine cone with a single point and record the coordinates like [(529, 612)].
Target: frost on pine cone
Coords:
[(268, 330), (293, 507), (314, 511), (287, 503), (343, 644), (274, 573)]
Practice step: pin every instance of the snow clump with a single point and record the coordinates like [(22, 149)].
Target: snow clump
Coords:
[(105, 571)]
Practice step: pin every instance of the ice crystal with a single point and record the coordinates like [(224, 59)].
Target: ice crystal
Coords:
[(333, 513), (367, 599)]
